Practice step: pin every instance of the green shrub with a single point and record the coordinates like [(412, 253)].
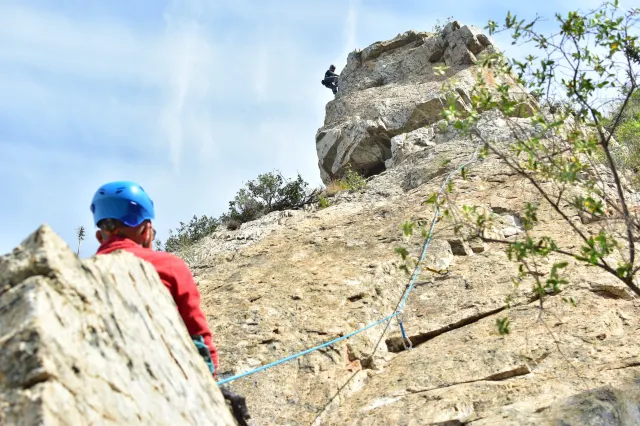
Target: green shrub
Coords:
[(628, 134), (267, 193), (353, 180), (323, 202), (335, 186), (189, 233), (439, 25)]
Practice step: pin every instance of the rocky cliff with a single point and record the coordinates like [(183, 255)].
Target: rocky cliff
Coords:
[(313, 276), (95, 341), (297, 279), (391, 88)]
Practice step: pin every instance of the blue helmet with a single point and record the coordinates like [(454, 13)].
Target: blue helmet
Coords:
[(123, 200)]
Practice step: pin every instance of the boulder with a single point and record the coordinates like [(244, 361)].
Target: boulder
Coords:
[(450, 28), (95, 341), (404, 145), (434, 48)]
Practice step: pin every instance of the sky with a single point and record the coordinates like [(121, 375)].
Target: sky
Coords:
[(190, 98)]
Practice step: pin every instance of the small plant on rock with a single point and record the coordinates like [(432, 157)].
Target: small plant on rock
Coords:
[(626, 133), (268, 192), (439, 25), (335, 186), (353, 180), (80, 234), (323, 202)]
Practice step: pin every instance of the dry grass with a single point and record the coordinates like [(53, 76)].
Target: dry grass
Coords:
[(335, 186)]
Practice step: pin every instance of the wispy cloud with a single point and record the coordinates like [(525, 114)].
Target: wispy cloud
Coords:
[(350, 32), (170, 105), (187, 90)]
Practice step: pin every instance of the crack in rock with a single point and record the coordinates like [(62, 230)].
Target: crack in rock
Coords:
[(394, 344)]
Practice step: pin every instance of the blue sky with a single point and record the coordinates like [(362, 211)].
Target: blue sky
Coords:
[(191, 98)]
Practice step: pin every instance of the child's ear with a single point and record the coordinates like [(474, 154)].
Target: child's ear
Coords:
[(99, 236), (147, 235)]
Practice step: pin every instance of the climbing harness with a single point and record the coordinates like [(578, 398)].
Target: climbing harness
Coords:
[(204, 352), (398, 313)]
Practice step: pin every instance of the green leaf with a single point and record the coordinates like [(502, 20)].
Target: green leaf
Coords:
[(530, 217), (450, 186), (432, 199), (424, 233), (503, 325), (402, 252), (624, 270), (407, 229)]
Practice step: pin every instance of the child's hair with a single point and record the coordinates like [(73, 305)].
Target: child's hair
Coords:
[(111, 225)]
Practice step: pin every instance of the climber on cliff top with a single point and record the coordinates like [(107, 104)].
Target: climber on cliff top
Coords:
[(331, 79), (123, 212)]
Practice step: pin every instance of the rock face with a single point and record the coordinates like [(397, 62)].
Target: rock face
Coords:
[(391, 88), (297, 279), (95, 341), (325, 273)]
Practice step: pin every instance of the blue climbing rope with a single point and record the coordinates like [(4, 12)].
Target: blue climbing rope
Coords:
[(416, 271), (305, 352), (400, 307)]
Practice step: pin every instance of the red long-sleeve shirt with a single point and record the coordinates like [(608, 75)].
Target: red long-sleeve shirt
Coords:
[(176, 276)]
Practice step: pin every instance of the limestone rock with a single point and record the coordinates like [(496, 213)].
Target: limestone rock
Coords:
[(434, 48), (377, 49), (391, 88), (95, 341), (406, 144), (469, 36), (477, 245), (332, 271), (450, 28), (460, 247), (459, 54), (223, 245), (606, 405), (499, 381)]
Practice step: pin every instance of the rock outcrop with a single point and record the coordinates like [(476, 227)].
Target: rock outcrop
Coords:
[(95, 341), (391, 88)]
